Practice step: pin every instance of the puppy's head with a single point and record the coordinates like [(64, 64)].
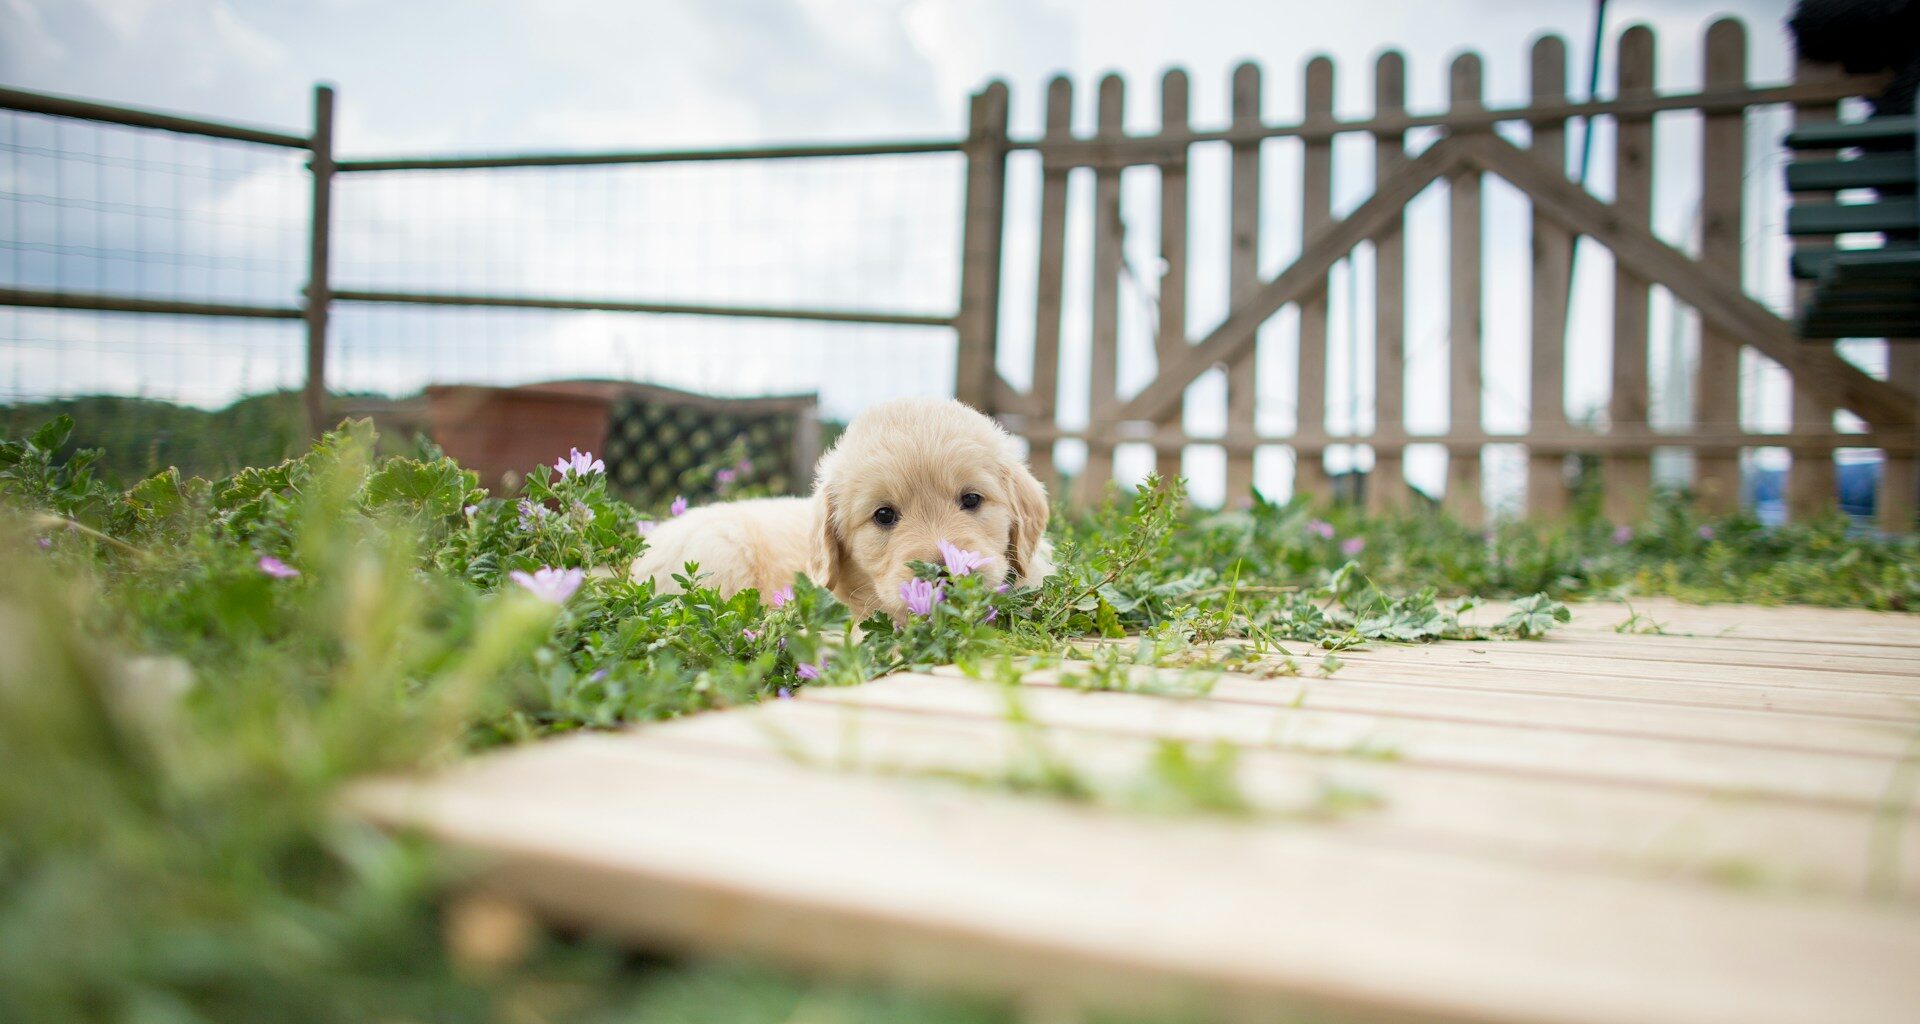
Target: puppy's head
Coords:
[(909, 474)]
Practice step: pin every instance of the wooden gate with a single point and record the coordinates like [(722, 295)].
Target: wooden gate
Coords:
[(1466, 150)]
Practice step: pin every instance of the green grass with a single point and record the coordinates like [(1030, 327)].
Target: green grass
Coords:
[(175, 721)]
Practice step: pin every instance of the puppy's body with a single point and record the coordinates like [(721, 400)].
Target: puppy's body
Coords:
[(762, 544), (905, 476)]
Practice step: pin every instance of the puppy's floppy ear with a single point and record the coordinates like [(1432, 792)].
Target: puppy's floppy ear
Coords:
[(1029, 501), (827, 565)]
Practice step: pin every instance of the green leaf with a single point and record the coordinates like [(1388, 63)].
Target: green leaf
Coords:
[(53, 433)]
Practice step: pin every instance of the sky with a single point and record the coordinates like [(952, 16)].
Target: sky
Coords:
[(485, 75)]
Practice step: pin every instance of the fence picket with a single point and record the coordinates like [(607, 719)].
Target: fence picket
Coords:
[(1723, 151), (1629, 475), (1811, 486), (1243, 277), (1386, 489), (1171, 330), (1316, 210), (1107, 263), (1552, 269), (1463, 497)]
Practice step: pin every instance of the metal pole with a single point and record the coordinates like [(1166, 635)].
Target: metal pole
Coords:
[(319, 291)]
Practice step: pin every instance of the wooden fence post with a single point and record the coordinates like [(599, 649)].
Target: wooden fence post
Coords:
[(1316, 209), (1104, 399), (1044, 396), (1387, 486), (1463, 497), (1552, 270), (319, 292), (1243, 276), (1171, 333), (978, 322), (1811, 485), (1628, 475), (1716, 380)]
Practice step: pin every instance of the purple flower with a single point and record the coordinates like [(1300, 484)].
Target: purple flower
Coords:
[(744, 466), (277, 569), (46, 543), (1353, 546), (532, 514), (811, 671), (960, 561), (598, 674), (779, 598), (1622, 534), (645, 526), (553, 586), (786, 694), (1706, 533), (1320, 528), (679, 507), (920, 596), (470, 510), (750, 635), (579, 463), (723, 477), (992, 614)]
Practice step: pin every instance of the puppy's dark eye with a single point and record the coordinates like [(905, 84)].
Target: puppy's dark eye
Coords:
[(970, 500), (885, 515)]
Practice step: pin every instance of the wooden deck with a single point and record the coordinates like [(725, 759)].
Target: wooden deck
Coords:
[(1712, 825)]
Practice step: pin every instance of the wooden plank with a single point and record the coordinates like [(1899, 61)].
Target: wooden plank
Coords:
[(1547, 491), (1812, 484), (1359, 690), (1737, 622), (1628, 476), (978, 323), (1235, 335), (1045, 393), (1316, 212), (1387, 488), (1739, 650), (1635, 246), (1171, 334), (984, 889), (1243, 276), (1633, 664), (1813, 654), (1551, 822), (1615, 759), (1723, 154), (1107, 264), (1900, 474), (1464, 327)]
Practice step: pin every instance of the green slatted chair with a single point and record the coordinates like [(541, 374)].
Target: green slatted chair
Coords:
[(1858, 292)]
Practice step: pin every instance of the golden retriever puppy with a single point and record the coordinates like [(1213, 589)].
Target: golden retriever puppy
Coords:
[(905, 476)]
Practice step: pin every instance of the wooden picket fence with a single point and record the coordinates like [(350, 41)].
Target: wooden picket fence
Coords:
[(1465, 152)]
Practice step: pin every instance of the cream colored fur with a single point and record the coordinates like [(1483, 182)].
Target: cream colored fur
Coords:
[(918, 456)]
